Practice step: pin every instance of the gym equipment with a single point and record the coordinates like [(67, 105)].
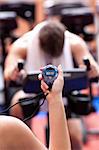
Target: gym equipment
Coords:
[(74, 16), (24, 10), (31, 84)]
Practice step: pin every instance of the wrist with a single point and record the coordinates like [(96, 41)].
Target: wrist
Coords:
[(53, 98)]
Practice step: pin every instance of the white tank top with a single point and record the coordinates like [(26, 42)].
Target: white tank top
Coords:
[(36, 58)]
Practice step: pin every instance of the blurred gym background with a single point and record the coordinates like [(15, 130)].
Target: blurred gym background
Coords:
[(81, 17)]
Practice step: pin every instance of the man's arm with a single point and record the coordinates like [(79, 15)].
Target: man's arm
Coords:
[(80, 51), (17, 51)]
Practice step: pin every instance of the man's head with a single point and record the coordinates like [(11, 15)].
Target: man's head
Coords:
[(51, 38)]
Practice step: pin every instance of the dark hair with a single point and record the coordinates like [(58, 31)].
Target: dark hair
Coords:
[(51, 38)]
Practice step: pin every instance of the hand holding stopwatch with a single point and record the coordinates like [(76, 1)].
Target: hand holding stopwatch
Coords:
[(49, 74)]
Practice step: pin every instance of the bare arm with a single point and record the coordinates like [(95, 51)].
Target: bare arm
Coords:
[(17, 51), (79, 51), (59, 136)]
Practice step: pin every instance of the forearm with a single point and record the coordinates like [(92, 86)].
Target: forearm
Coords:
[(17, 51), (10, 65), (11, 60), (59, 136), (92, 60), (80, 50)]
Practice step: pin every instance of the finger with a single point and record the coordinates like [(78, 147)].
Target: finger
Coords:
[(44, 84), (40, 76), (41, 68), (14, 77), (42, 87), (46, 92), (82, 66), (60, 70)]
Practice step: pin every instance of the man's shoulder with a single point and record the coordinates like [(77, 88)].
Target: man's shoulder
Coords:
[(35, 29), (74, 38), (39, 26), (70, 34)]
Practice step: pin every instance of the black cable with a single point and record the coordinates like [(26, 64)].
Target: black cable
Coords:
[(5, 110), (25, 119), (40, 95), (30, 99)]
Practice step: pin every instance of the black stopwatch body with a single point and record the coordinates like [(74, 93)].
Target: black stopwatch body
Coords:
[(49, 74)]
